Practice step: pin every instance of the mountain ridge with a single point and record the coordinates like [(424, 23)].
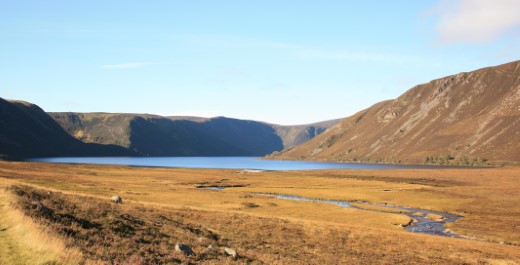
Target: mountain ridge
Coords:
[(466, 118), (185, 136), (27, 131)]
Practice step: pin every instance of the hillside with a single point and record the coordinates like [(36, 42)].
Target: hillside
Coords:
[(467, 118), (295, 135), (27, 131), (185, 136)]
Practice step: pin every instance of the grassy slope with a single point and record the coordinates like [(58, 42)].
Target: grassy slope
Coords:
[(463, 118), (23, 242), (9, 252), (278, 231)]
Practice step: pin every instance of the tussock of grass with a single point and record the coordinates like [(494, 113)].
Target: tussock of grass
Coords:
[(433, 216), (250, 205)]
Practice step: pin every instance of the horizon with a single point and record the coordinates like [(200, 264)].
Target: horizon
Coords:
[(228, 117), (248, 61)]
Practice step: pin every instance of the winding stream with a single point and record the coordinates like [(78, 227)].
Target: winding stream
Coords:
[(420, 224), (422, 221)]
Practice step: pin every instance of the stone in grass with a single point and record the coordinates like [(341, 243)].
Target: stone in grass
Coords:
[(116, 199), (231, 252), (185, 249)]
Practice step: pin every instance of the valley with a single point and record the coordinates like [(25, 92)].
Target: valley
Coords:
[(260, 132), (266, 229)]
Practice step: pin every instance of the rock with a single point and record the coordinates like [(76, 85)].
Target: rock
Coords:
[(116, 199), (231, 252), (185, 249)]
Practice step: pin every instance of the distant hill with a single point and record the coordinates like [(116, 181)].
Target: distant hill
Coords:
[(297, 134), (27, 131), (467, 118), (185, 136)]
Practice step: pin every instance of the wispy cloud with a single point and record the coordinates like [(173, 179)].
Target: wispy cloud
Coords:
[(128, 65), (476, 20)]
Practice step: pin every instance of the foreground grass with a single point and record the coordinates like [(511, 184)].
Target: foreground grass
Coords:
[(163, 207), (23, 241), (135, 234)]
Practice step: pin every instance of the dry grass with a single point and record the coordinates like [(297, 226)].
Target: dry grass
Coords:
[(133, 234), (433, 216), (110, 233), (23, 241), (275, 231), (378, 208)]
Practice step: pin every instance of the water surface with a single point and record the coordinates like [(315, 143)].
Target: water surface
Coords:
[(220, 163)]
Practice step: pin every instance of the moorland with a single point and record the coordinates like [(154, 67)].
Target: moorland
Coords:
[(62, 213)]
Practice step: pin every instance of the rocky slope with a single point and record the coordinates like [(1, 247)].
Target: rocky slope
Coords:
[(467, 118), (27, 131), (185, 136)]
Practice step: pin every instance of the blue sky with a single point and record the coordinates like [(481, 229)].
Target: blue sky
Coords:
[(286, 62)]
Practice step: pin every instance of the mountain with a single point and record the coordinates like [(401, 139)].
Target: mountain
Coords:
[(467, 118), (297, 134), (185, 136), (27, 131)]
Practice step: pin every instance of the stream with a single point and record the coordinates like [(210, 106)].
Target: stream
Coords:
[(420, 222)]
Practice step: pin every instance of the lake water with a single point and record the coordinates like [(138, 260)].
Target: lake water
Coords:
[(254, 163)]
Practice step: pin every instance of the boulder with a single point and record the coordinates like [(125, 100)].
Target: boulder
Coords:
[(185, 249), (231, 252), (116, 199)]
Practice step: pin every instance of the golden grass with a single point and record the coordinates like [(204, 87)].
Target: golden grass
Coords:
[(378, 208), (487, 198), (433, 216), (24, 242), (131, 233)]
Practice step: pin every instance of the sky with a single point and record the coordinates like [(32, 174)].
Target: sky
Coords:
[(286, 62)]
